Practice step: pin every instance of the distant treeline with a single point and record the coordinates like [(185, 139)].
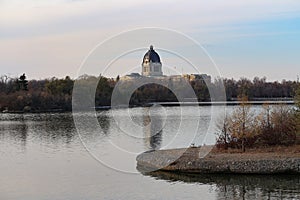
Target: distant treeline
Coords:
[(18, 94), (259, 88)]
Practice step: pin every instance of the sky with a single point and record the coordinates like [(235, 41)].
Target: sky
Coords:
[(52, 38)]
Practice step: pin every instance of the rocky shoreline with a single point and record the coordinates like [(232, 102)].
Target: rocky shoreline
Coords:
[(188, 161)]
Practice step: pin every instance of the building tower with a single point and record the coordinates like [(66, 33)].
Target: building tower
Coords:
[(151, 65)]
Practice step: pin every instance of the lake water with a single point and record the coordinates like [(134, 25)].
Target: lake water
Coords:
[(47, 156)]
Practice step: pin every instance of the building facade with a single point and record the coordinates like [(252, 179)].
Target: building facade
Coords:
[(152, 68), (151, 65)]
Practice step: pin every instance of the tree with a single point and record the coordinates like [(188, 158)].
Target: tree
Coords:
[(223, 134), (242, 122), (297, 97), (244, 87), (276, 125), (23, 83), (283, 125), (231, 88)]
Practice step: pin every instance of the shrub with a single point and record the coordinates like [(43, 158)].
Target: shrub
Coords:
[(297, 111), (277, 126), (242, 129), (239, 129)]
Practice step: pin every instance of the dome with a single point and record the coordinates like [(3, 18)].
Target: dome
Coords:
[(151, 56)]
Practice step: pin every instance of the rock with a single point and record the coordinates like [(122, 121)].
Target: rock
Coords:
[(27, 109)]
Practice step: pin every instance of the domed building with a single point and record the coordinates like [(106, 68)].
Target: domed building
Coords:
[(151, 65)]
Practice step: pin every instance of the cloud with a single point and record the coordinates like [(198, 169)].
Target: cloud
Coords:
[(52, 37), (34, 18)]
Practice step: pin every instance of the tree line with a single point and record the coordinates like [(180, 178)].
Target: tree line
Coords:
[(259, 88), (20, 94)]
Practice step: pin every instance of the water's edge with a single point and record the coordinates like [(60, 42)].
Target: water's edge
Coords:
[(188, 161)]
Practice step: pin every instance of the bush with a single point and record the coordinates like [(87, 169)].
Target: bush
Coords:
[(297, 111), (278, 126), (239, 129), (273, 126)]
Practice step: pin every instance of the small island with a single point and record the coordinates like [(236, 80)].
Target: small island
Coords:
[(273, 160), (246, 143)]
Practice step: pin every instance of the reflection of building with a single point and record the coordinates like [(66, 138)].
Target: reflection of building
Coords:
[(151, 65), (152, 131), (104, 123)]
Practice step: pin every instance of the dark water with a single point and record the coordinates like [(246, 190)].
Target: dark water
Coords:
[(42, 157), (240, 186)]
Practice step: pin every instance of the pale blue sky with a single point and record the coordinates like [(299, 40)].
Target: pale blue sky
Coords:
[(245, 38)]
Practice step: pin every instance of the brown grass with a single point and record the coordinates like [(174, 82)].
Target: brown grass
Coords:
[(257, 153)]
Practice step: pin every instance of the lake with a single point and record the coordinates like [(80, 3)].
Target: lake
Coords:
[(48, 156)]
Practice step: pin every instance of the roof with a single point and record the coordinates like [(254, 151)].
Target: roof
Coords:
[(151, 56)]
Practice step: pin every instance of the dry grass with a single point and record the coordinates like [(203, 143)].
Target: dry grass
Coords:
[(257, 153), (273, 149)]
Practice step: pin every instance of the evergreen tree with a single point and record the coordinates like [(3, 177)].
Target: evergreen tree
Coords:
[(23, 83)]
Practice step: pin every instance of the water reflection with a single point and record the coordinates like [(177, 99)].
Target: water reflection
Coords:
[(16, 131), (57, 128), (153, 130), (240, 186), (55, 164), (43, 128), (23, 132), (104, 122)]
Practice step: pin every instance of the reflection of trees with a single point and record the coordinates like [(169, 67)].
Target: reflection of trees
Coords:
[(152, 131), (15, 131), (47, 128), (241, 186), (23, 132), (56, 128)]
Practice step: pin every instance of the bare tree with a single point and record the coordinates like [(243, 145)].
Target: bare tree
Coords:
[(223, 133), (283, 125), (242, 122)]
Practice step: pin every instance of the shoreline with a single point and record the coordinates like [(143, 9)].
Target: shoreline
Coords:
[(164, 104), (218, 162)]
